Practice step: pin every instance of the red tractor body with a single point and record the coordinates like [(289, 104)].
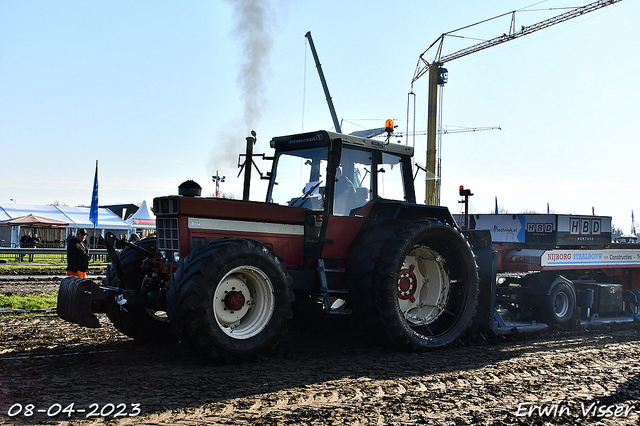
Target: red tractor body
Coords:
[(340, 232)]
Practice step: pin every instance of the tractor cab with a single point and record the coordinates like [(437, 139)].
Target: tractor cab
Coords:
[(338, 174)]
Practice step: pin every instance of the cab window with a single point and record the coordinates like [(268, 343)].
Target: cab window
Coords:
[(300, 178), (390, 178), (353, 181)]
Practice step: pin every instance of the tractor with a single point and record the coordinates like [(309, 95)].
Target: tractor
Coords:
[(339, 233)]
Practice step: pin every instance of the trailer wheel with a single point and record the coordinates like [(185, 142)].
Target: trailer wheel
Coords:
[(424, 282), (558, 306), (231, 299), (137, 322)]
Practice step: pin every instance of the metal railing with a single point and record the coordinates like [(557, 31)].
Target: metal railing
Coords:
[(46, 245), (46, 255)]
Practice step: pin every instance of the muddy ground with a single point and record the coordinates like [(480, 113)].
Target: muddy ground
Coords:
[(318, 377)]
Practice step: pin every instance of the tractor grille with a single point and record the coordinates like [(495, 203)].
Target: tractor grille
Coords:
[(167, 235)]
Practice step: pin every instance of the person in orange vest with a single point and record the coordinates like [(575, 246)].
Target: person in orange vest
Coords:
[(78, 255)]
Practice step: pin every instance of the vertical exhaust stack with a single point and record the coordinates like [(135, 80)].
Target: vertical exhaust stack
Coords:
[(190, 188), (251, 140)]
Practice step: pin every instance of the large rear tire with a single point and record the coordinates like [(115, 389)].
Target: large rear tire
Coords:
[(420, 287), (231, 299), (137, 322)]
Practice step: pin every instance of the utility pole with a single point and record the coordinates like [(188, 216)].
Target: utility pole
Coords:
[(217, 179)]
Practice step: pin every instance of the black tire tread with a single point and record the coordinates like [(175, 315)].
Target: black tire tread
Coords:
[(544, 309), (188, 297), (373, 263)]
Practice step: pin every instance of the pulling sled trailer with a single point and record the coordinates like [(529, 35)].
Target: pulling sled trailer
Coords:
[(549, 269)]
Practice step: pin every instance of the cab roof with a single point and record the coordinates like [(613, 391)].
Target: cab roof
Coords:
[(324, 138)]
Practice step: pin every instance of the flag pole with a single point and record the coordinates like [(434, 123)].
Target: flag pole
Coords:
[(93, 211)]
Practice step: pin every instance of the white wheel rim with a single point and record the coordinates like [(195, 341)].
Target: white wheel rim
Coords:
[(423, 287), (561, 305), (250, 307)]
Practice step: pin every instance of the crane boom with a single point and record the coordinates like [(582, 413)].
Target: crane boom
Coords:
[(423, 67), (332, 109), (372, 133), (467, 129), (512, 35)]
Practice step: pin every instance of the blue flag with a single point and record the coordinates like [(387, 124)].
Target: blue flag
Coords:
[(93, 212), (496, 204)]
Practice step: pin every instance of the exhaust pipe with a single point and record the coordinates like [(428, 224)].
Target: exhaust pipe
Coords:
[(248, 162)]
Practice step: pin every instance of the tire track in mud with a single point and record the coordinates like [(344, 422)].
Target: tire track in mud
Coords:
[(488, 393), (319, 377)]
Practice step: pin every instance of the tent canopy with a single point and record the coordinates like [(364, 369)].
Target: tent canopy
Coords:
[(143, 218), (75, 217), (34, 221), (106, 218)]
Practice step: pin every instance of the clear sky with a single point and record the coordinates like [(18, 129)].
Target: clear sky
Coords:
[(164, 91)]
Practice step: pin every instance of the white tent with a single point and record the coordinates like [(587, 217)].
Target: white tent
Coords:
[(144, 218), (15, 211), (76, 217), (107, 219)]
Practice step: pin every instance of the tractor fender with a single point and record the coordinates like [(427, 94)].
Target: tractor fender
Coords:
[(543, 283), (384, 210)]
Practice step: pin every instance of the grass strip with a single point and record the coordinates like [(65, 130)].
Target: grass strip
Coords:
[(29, 301)]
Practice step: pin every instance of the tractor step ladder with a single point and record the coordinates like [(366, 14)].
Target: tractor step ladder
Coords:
[(328, 301)]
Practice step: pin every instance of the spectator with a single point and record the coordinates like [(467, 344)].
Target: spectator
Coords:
[(101, 245), (78, 255), (93, 241), (120, 241), (33, 243), (93, 244), (25, 242)]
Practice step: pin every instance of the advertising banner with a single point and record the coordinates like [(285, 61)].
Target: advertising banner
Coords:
[(544, 229), (505, 228), (144, 221), (540, 229), (590, 258), (584, 230)]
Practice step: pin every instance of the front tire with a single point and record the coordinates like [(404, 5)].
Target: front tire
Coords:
[(231, 299)]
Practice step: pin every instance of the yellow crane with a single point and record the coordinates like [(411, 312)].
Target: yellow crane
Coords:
[(438, 76)]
